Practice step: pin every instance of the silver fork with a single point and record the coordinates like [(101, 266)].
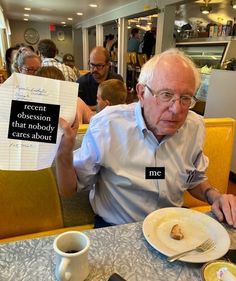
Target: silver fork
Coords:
[(206, 245)]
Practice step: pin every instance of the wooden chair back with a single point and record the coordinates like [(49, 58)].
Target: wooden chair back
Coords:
[(142, 59)]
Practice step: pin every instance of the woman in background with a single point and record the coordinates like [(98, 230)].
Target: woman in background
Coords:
[(9, 58), (26, 61)]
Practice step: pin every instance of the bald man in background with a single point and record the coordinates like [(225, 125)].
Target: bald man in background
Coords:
[(99, 71)]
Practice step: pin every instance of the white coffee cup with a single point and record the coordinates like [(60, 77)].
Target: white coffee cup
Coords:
[(71, 249)]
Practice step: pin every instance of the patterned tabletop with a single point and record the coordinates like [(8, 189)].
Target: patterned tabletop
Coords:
[(121, 249)]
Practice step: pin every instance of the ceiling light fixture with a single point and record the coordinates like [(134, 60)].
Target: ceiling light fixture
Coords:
[(26, 19), (206, 9), (233, 3), (27, 9), (63, 22), (79, 14), (93, 5), (70, 18), (26, 15)]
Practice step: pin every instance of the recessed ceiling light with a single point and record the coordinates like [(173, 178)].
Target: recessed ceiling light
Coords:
[(69, 18), (26, 15), (93, 5), (233, 3), (205, 9), (27, 9), (63, 22), (26, 19), (79, 14)]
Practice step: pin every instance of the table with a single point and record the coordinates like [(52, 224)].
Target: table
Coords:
[(122, 249)]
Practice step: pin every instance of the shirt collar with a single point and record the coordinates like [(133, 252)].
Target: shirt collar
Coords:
[(49, 59), (139, 118)]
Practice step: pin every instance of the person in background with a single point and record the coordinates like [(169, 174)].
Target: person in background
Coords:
[(47, 51), (99, 72), (111, 92), (84, 113), (9, 59), (110, 41), (26, 61), (149, 42), (69, 60), (158, 131), (134, 41), (50, 72)]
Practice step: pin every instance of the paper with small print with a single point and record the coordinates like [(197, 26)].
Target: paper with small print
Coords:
[(30, 108)]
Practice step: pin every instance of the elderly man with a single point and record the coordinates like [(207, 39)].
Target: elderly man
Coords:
[(99, 72), (158, 131)]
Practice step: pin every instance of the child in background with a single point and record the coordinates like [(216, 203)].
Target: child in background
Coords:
[(111, 92)]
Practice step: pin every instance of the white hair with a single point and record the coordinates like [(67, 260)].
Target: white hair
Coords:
[(148, 68)]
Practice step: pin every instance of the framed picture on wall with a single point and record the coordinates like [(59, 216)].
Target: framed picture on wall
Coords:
[(60, 35)]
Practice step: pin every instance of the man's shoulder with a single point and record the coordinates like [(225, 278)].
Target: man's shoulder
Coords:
[(194, 120), (114, 115), (193, 116), (86, 78)]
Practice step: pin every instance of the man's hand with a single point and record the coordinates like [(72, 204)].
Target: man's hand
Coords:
[(224, 206), (68, 139)]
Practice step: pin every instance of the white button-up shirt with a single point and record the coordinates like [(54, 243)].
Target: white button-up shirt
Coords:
[(115, 152)]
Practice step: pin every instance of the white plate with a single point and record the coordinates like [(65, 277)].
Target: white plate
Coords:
[(196, 228)]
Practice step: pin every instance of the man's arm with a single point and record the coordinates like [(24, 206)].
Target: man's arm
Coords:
[(66, 176), (223, 205)]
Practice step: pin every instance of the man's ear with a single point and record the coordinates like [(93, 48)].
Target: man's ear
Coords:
[(140, 92), (108, 102)]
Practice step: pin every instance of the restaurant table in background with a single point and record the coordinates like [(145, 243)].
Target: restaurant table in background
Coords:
[(121, 249)]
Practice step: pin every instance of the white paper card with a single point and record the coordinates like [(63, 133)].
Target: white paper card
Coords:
[(29, 115)]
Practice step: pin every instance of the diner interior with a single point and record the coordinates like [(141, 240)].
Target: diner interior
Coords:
[(30, 205)]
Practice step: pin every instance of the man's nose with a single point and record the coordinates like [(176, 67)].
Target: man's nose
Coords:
[(175, 105)]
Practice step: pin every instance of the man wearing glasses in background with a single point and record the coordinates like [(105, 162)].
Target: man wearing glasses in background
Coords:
[(99, 72), (160, 133)]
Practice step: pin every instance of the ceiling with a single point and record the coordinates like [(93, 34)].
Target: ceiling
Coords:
[(222, 11), (57, 11)]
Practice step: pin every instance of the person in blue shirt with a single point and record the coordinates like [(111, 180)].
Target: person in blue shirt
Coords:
[(123, 140), (134, 41)]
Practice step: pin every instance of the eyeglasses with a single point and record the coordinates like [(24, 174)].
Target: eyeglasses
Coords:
[(166, 97), (98, 66), (29, 69)]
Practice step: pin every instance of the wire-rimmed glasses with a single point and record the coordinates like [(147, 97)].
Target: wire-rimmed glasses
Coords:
[(186, 101)]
